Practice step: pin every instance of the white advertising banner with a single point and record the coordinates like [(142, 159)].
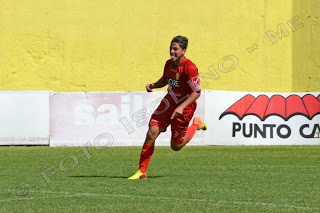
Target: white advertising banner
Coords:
[(107, 118), (24, 118), (254, 118)]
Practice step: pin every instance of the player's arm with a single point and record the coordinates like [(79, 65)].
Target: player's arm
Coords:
[(192, 98), (159, 84)]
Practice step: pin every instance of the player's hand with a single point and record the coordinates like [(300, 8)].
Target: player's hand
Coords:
[(177, 112), (149, 87)]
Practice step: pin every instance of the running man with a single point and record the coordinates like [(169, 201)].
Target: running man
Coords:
[(177, 107)]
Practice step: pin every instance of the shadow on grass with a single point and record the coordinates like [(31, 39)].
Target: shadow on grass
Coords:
[(88, 176), (111, 177), (126, 177)]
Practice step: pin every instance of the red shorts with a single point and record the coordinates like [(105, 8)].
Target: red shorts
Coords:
[(179, 125)]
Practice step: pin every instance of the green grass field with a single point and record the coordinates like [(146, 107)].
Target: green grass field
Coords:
[(195, 179)]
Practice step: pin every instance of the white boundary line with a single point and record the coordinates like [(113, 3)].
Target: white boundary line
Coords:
[(36, 198), (271, 205), (70, 195)]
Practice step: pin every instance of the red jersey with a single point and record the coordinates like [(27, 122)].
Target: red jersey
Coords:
[(182, 80)]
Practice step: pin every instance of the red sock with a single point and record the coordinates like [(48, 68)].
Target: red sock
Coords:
[(191, 131), (145, 156)]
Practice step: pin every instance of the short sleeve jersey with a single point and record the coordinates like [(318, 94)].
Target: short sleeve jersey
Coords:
[(183, 79)]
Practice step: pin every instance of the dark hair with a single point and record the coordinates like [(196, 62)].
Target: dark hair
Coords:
[(181, 40)]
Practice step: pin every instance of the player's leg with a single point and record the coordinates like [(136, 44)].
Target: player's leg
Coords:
[(186, 133), (148, 147), (159, 122), (179, 127), (147, 152), (176, 146)]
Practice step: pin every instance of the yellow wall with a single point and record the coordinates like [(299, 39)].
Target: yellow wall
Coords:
[(103, 45), (306, 47)]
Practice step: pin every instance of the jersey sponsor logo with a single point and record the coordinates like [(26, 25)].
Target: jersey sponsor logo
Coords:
[(173, 82)]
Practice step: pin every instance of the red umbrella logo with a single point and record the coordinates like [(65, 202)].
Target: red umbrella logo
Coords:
[(263, 106)]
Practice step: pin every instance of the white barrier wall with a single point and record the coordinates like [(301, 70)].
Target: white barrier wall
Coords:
[(107, 118), (24, 118), (247, 118), (121, 118)]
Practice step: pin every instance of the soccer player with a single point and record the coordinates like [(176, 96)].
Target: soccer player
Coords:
[(177, 107)]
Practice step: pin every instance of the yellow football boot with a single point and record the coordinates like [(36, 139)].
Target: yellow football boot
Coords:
[(201, 124), (138, 175)]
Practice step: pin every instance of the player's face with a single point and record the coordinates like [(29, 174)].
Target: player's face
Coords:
[(176, 53)]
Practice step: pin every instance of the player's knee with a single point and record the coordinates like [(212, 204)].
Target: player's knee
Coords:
[(175, 146), (151, 135)]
